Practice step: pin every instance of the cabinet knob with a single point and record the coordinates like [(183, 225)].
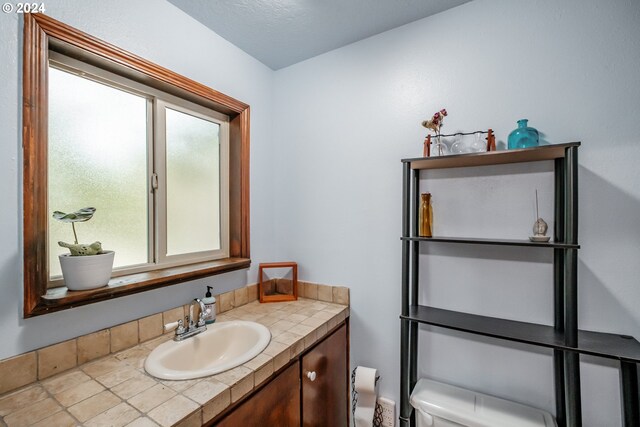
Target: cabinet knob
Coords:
[(311, 375)]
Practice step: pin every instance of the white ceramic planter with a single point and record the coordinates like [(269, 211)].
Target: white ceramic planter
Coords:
[(86, 272)]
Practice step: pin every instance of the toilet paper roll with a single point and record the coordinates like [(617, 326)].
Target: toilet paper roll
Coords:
[(365, 385)]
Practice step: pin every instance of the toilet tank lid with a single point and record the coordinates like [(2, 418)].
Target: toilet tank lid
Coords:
[(474, 409)]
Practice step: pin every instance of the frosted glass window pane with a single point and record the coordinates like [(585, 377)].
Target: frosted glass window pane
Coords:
[(97, 157), (193, 184)]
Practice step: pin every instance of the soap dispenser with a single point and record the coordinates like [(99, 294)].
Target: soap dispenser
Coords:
[(210, 305)]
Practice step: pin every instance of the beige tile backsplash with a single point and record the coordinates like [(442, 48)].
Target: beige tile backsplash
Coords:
[(27, 368), (340, 295), (150, 327), (241, 296), (226, 301), (124, 336), (325, 293), (94, 346), (308, 290), (18, 371), (57, 358)]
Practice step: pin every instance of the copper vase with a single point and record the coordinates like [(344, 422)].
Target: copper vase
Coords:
[(425, 223)]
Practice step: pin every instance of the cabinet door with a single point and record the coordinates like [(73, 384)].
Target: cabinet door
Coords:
[(275, 405), (325, 399)]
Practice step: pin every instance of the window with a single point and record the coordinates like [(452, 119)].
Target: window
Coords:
[(152, 164), (162, 158), (97, 156)]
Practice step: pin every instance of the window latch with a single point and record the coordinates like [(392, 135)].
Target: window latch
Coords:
[(154, 182)]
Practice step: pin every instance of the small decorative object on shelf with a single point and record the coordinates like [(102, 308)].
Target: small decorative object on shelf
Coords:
[(426, 216), (426, 150), (523, 136), (440, 149), (491, 141), (478, 145), (435, 123), (87, 266), (539, 227), (458, 146), (278, 284)]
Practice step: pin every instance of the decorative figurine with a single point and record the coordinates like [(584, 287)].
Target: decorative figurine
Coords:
[(426, 150), (491, 140), (539, 227), (80, 249)]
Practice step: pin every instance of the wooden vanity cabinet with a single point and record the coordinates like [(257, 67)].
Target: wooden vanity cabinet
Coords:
[(293, 399), (276, 404), (325, 400)]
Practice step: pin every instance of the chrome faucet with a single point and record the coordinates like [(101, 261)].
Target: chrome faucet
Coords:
[(192, 328)]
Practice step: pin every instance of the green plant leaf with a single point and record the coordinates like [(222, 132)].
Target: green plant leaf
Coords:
[(82, 215)]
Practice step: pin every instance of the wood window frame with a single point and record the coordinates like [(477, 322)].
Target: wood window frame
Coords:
[(42, 34)]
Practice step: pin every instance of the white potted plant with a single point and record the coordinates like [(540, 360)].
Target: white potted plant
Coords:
[(86, 266)]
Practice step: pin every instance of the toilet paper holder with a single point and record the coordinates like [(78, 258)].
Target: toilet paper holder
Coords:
[(377, 416)]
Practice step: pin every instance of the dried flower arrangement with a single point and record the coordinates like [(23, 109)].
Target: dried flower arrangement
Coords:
[(435, 123)]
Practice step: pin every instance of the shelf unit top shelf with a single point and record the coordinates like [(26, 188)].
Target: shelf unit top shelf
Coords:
[(498, 242), (611, 346), (534, 154)]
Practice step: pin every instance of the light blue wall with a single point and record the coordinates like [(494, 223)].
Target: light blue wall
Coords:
[(161, 33), (347, 117)]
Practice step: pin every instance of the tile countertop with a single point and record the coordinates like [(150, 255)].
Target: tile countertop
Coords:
[(116, 391)]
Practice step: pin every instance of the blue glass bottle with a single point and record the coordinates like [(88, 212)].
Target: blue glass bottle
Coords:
[(523, 136)]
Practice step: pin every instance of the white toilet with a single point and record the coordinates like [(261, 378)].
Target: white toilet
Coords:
[(443, 405)]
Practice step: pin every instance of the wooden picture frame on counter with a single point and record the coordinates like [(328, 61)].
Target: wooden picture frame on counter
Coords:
[(280, 288)]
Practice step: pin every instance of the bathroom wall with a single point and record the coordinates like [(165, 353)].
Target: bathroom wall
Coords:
[(346, 118), (161, 33)]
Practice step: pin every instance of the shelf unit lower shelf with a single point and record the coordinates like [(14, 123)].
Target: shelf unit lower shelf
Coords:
[(611, 346)]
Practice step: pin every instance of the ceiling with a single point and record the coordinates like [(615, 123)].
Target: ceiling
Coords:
[(280, 33)]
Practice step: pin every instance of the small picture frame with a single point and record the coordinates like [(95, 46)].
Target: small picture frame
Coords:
[(278, 281)]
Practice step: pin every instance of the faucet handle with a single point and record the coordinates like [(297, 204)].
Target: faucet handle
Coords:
[(178, 326), (202, 317)]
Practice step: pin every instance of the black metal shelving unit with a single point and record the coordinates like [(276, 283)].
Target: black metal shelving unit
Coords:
[(564, 337)]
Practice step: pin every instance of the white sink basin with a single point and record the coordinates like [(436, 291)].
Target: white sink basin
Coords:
[(221, 347)]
